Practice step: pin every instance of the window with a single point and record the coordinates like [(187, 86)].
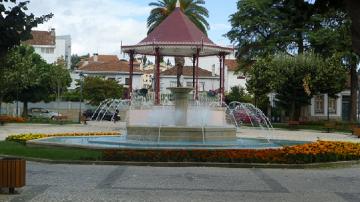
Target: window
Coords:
[(319, 104), (47, 50), (332, 105), (126, 81)]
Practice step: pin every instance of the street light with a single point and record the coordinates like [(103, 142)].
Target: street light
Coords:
[(81, 94)]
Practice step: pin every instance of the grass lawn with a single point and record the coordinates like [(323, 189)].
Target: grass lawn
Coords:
[(20, 150)]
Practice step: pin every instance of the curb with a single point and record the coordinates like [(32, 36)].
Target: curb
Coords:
[(337, 164)]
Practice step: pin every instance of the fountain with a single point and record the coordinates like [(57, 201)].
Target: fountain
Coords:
[(158, 123), (183, 123)]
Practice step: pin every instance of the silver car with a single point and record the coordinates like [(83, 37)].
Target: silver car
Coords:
[(43, 113)]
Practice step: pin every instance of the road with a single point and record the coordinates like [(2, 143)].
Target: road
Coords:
[(57, 182)]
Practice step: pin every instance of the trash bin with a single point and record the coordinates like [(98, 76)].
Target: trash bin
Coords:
[(12, 173)]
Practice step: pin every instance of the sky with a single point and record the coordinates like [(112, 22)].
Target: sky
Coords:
[(100, 26)]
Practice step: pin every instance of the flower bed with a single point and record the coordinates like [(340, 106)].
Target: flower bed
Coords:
[(320, 151), (22, 138), (11, 119)]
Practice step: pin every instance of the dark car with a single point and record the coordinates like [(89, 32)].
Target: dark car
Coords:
[(89, 114)]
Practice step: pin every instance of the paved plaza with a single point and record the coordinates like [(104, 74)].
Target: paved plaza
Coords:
[(49, 182), (58, 182)]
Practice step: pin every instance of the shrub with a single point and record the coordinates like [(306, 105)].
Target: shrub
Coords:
[(320, 151), (11, 119), (22, 138)]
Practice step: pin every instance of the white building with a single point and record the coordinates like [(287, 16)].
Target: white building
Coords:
[(207, 80), (110, 67), (51, 47), (231, 77), (148, 74), (321, 105)]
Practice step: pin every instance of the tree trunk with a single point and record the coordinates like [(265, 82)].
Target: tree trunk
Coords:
[(179, 63), (300, 42), (353, 91), (25, 110), (1, 99), (292, 111), (353, 7)]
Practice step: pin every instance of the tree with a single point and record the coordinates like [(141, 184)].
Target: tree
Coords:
[(96, 89), (193, 9), (267, 27), (75, 59), (238, 94), (260, 80), (296, 79), (264, 28), (33, 80), (16, 24)]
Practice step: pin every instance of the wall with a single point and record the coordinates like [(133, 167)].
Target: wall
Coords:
[(69, 109), (211, 83), (63, 46), (120, 77), (48, 57), (232, 80), (322, 116)]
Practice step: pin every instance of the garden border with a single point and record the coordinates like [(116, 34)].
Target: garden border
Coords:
[(336, 164)]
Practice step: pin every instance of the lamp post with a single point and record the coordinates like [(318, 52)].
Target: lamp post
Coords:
[(81, 94)]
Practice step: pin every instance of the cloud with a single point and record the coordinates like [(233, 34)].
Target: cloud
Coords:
[(99, 26), (95, 25)]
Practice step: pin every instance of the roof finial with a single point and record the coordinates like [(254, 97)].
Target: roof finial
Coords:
[(178, 4)]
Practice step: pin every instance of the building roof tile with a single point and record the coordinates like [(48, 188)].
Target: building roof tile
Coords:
[(44, 38), (187, 71), (118, 66), (185, 31)]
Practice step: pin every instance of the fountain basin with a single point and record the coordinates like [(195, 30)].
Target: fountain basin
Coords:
[(120, 142), (181, 133)]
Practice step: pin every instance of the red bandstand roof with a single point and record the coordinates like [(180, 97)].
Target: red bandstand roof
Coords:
[(177, 36)]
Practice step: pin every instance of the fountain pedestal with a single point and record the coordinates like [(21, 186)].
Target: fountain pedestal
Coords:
[(215, 128), (181, 104)]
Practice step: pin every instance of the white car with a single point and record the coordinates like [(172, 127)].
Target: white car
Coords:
[(43, 113)]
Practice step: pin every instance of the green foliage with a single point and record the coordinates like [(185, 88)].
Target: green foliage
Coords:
[(296, 79), (96, 89), (193, 9), (20, 150), (30, 78), (72, 96), (238, 94), (267, 27), (16, 24), (75, 59)]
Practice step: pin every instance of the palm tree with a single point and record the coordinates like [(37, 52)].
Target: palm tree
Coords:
[(193, 9)]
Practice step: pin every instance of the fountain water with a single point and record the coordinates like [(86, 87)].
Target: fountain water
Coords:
[(180, 122)]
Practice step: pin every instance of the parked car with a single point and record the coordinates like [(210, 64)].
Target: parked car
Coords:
[(245, 117), (43, 113), (89, 113)]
